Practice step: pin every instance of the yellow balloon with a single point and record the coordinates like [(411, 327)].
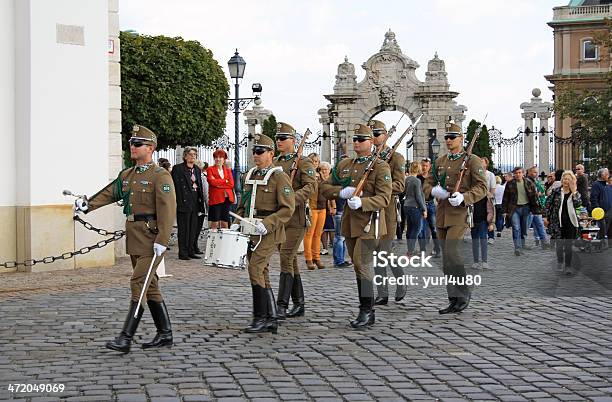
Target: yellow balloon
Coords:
[(598, 213)]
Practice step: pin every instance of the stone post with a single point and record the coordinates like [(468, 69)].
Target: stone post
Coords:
[(544, 154), (326, 141), (528, 160)]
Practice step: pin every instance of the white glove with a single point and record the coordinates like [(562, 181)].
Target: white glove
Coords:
[(439, 192), (80, 205), (261, 229), (354, 202), (158, 249), (235, 227), (456, 199), (346, 192)]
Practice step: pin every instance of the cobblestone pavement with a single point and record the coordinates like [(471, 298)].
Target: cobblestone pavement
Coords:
[(529, 334)]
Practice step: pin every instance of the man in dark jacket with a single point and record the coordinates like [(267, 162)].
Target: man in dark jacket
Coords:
[(190, 202), (601, 197), (582, 181), (520, 199)]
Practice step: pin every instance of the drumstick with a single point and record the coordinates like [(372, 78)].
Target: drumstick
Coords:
[(242, 219)]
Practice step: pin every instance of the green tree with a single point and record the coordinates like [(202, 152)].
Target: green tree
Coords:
[(482, 147), (174, 87), (269, 126), (591, 112)]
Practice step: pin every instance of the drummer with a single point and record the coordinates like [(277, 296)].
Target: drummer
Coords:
[(274, 204)]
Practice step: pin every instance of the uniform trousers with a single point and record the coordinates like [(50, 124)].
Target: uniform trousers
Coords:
[(140, 267), (288, 250), (452, 261), (187, 223), (260, 259)]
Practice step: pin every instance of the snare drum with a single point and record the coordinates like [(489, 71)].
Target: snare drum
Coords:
[(226, 249)]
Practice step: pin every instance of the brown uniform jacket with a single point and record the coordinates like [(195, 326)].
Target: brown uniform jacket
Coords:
[(473, 187), (274, 203), (375, 197), (304, 185), (148, 193), (397, 164)]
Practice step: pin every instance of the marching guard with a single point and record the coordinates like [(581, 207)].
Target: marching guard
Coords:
[(149, 203), (363, 222), (304, 184), (397, 164), (267, 202), (452, 213)]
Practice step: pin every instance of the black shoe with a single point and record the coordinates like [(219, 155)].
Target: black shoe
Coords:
[(462, 303), (381, 301), (123, 342), (435, 254), (498, 234), (159, 312), (517, 252), (365, 318), (272, 313), (450, 307), (344, 264), (297, 295), (195, 257), (198, 251), (260, 311), (285, 285), (184, 257), (400, 292)]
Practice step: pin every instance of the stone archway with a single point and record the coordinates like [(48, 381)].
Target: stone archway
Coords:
[(390, 83)]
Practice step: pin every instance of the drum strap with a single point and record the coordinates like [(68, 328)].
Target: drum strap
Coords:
[(256, 183)]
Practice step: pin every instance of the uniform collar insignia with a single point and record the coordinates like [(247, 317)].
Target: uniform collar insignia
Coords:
[(262, 171), (143, 168), (363, 159), (287, 157), (454, 157)]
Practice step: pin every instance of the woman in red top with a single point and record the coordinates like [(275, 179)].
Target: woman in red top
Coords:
[(220, 191)]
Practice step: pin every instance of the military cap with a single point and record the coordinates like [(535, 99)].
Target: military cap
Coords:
[(377, 126), (284, 129), (142, 133), (452, 128), (363, 131), (262, 140)]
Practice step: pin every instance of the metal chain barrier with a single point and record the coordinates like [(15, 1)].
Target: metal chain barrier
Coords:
[(116, 235)]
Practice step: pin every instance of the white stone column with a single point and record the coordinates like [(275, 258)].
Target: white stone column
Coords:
[(544, 143), (251, 127), (326, 141), (528, 160)]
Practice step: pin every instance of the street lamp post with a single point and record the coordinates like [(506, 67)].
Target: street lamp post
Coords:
[(236, 65), (434, 144)]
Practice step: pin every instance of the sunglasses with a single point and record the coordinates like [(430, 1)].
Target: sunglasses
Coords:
[(137, 144), (260, 151), (450, 136), (360, 139), (281, 137), (378, 133)]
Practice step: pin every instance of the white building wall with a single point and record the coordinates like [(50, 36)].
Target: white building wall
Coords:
[(69, 101)]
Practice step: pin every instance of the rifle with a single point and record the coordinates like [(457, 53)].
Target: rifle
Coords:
[(300, 150), (377, 153), (397, 143), (468, 154)]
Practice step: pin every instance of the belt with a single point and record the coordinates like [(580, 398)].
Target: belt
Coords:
[(145, 217), (263, 214)]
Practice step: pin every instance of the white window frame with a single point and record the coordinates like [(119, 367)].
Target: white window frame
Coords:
[(583, 43)]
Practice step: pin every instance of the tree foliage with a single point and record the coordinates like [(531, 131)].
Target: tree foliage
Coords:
[(591, 111), (482, 147), (174, 87), (269, 126)]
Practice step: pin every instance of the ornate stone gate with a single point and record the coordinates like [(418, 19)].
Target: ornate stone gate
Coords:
[(390, 83)]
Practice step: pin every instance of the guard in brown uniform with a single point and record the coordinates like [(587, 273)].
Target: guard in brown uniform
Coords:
[(363, 220), (397, 163), (147, 193), (452, 211), (304, 184), (274, 204)]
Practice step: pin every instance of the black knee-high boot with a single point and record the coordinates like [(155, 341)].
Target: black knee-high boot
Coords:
[(159, 312), (297, 295), (285, 286), (123, 342)]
